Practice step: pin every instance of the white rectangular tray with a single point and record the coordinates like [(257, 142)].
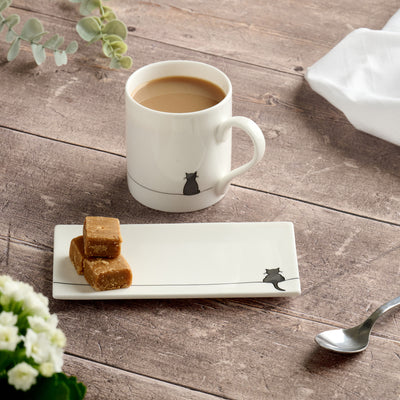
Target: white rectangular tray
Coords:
[(191, 260)]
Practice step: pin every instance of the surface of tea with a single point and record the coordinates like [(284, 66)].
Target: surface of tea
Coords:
[(178, 94)]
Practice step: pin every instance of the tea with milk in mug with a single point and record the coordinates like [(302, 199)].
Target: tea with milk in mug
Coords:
[(178, 94)]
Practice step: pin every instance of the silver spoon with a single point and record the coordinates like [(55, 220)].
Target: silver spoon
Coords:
[(353, 340)]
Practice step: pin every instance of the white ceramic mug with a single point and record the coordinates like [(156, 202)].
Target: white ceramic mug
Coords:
[(181, 162)]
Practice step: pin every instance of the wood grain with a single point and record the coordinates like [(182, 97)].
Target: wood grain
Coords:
[(225, 348), (62, 157), (65, 183), (309, 149), (105, 383)]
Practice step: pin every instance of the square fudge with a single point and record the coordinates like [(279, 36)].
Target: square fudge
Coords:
[(107, 273), (102, 237), (77, 254)]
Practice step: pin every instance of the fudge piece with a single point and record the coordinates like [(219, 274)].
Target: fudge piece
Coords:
[(77, 254), (107, 273), (102, 237)]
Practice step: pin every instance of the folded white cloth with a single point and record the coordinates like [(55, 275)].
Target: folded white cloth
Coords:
[(361, 77)]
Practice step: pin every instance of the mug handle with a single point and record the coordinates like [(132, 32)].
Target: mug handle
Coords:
[(257, 137)]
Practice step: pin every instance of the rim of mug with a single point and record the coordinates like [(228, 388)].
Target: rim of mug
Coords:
[(228, 93)]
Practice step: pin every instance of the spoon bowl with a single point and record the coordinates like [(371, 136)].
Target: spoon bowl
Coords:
[(356, 339)]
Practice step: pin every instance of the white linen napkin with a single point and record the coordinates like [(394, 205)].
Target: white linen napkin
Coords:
[(361, 77)]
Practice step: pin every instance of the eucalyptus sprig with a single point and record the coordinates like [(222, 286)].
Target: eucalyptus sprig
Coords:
[(107, 28), (33, 32)]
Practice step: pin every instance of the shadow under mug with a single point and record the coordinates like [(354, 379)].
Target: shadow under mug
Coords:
[(179, 162)]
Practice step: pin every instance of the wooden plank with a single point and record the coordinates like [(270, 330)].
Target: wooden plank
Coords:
[(209, 342), (309, 149), (105, 383), (290, 114), (287, 35), (48, 183), (226, 348)]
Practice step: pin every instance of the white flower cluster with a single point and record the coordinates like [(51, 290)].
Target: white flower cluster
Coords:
[(29, 333)]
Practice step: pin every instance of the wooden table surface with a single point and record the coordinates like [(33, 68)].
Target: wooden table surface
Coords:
[(62, 157)]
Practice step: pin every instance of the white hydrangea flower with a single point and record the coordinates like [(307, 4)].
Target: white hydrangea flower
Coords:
[(43, 341), (56, 357), (9, 338), (39, 324), (37, 304), (58, 338), (13, 290), (37, 346), (8, 318), (47, 369), (4, 280), (22, 376)]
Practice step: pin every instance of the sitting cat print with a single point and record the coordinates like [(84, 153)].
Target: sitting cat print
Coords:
[(191, 187), (273, 276)]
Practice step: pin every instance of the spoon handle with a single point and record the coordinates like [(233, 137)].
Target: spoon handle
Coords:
[(383, 308)]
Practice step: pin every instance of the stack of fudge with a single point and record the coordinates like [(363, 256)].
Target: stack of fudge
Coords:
[(97, 254)]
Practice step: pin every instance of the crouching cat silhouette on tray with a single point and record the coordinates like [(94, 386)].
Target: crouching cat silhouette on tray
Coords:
[(273, 276)]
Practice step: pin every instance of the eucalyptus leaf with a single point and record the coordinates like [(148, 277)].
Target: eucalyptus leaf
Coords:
[(116, 27), (113, 45), (39, 54), (126, 62), (14, 50), (119, 48), (75, 1), (54, 42), (59, 42), (2, 24), (4, 4), (88, 28), (109, 14), (60, 57), (107, 49), (50, 43), (31, 28), (112, 38), (38, 37), (72, 47), (96, 38), (12, 20), (115, 63), (11, 35), (87, 6)]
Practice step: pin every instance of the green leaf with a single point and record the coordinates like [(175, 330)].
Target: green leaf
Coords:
[(54, 42), (96, 38), (11, 35), (88, 28), (107, 49), (38, 37), (119, 48), (60, 57), (114, 48), (126, 62), (32, 28), (116, 27), (75, 1), (108, 14), (14, 50), (112, 38), (12, 20), (39, 54), (59, 42), (72, 47), (115, 63), (4, 4), (87, 6)]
